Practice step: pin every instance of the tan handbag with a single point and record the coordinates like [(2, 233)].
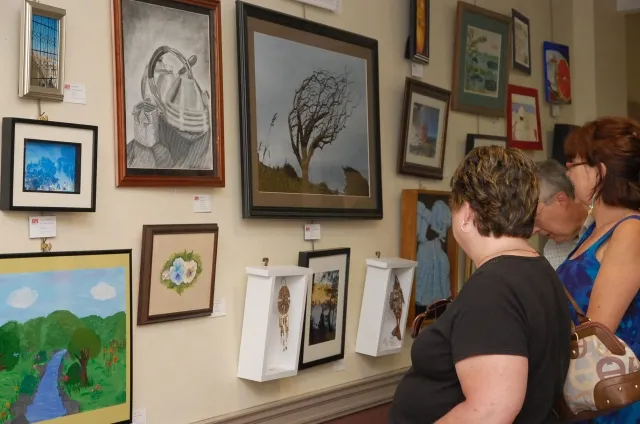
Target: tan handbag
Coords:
[(604, 373)]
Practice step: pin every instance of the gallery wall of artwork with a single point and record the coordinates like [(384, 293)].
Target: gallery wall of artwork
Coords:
[(124, 200)]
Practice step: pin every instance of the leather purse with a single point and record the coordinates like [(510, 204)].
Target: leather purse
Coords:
[(431, 313), (604, 373)]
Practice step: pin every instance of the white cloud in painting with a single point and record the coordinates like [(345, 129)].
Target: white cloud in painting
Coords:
[(103, 291), (22, 298)]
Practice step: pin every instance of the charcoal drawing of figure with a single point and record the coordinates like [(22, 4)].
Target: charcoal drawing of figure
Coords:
[(433, 270), (167, 67)]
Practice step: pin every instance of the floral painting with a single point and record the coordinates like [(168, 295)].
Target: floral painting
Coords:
[(181, 271), (182, 259)]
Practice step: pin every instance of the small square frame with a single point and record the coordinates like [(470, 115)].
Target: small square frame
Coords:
[(25, 88), (16, 132)]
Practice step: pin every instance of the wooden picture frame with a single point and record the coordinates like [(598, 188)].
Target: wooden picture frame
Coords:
[(181, 286), (557, 73), (435, 234), (480, 79), (169, 110), (42, 51), (331, 269), (417, 48), (523, 118), (521, 36), (477, 140), (68, 325), (48, 166), (332, 169), (421, 153)]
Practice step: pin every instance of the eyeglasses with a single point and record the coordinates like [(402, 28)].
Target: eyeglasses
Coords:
[(432, 312), (571, 165)]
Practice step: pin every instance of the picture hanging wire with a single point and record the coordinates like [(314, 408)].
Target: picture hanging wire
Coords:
[(265, 261), (378, 254), (44, 246)]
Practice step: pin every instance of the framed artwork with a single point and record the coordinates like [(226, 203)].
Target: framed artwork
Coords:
[(557, 73), (325, 318), (523, 118), (309, 118), (42, 51), (66, 337), (426, 237), (477, 140), (481, 61), (424, 130), (177, 272), (169, 113), (48, 166), (418, 42), (521, 42)]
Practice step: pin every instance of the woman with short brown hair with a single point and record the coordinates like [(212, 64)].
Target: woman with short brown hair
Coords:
[(603, 273), (500, 352)]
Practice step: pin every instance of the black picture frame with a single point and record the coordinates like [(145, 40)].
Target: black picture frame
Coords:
[(111, 257), (363, 199), (405, 166), (47, 201), (517, 16), (305, 259), (416, 40), (489, 140)]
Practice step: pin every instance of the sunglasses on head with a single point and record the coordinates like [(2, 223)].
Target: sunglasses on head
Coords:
[(433, 311)]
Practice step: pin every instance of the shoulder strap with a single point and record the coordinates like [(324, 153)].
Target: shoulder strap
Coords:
[(581, 315), (609, 233)]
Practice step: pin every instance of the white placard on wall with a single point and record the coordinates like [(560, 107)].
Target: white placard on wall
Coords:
[(332, 5)]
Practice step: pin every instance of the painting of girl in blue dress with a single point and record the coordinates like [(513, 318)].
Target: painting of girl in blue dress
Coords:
[(433, 280), (51, 166)]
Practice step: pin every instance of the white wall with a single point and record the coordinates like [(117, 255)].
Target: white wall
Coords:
[(185, 371)]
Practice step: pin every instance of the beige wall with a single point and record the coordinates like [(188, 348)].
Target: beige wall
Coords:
[(185, 371), (633, 64)]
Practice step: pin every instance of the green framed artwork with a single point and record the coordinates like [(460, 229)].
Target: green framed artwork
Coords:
[(481, 63)]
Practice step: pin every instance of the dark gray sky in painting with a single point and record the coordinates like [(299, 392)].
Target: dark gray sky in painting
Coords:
[(281, 65)]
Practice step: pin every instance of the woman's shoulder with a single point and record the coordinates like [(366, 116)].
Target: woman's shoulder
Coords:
[(626, 235)]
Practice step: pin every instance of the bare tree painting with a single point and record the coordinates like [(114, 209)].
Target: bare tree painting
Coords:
[(321, 147)]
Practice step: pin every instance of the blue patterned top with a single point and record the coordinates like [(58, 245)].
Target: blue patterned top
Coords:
[(579, 275)]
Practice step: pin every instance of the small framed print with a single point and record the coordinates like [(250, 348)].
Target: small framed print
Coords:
[(325, 317), (477, 140), (417, 48), (424, 130), (557, 73), (42, 51), (523, 118), (48, 166), (177, 272), (521, 42)]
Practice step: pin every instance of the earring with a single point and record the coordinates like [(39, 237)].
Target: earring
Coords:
[(592, 204), (465, 226), (284, 300)]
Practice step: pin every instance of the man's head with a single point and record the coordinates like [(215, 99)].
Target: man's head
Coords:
[(559, 217)]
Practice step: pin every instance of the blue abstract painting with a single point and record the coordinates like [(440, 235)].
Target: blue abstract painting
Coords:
[(51, 166)]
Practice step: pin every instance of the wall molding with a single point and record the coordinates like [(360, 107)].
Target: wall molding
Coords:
[(319, 406)]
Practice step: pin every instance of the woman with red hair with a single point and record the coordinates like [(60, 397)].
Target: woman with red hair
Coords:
[(603, 272)]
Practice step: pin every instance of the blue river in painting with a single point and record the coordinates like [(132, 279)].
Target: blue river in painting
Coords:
[(47, 403)]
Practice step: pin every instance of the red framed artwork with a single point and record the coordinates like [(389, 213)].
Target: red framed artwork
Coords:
[(523, 118)]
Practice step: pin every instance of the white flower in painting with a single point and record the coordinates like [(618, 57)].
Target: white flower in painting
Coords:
[(103, 291), (191, 268), (22, 298), (165, 274)]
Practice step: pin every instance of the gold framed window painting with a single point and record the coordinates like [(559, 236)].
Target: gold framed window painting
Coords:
[(65, 337), (427, 238)]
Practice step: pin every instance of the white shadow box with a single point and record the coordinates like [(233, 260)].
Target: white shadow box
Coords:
[(385, 306), (272, 323)]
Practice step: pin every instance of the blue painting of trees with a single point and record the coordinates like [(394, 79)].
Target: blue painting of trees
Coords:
[(50, 166)]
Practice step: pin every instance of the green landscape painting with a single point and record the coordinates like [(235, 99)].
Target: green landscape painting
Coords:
[(63, 342)]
